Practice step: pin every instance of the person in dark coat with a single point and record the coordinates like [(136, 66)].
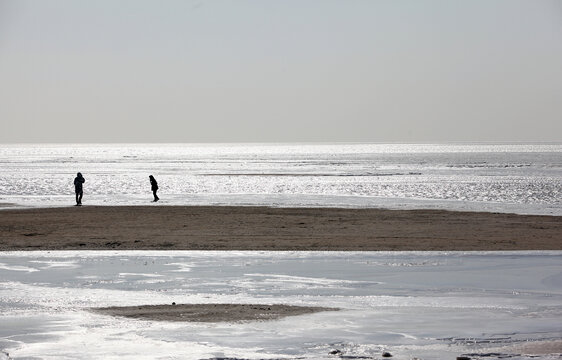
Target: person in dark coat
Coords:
[(78, 181), (154, 187)]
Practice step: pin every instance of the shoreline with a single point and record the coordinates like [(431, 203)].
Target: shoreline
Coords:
[(269, 228), (418, 207)]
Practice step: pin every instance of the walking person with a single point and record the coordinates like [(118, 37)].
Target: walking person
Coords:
[(78, 181), (154, 187)]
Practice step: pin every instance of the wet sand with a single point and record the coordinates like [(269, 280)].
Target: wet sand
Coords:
[(539, 347), (262, 228), (529, 348), (209, 312)]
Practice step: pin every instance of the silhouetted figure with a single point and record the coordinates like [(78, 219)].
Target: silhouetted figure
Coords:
[(78, 181), (154, 186)]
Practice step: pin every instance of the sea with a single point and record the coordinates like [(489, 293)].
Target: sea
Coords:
[(414, 305), (514, 178)]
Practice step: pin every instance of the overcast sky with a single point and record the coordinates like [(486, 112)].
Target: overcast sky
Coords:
[(280, 71)]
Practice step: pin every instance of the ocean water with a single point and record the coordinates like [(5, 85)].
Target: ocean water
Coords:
[(519, 178), (416, 305)]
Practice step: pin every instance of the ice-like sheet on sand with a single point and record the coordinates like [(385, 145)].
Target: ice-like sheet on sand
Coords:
[(429, 305)]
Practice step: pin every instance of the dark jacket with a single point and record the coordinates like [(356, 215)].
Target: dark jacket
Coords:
[(154, 184), (78, 181)]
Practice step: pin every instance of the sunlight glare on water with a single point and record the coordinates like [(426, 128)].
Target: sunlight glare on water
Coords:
[(521, 178), (429, 305)]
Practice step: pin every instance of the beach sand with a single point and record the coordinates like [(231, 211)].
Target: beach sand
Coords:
[(526, 348), (538, 347), (263, 228), (209, 312)]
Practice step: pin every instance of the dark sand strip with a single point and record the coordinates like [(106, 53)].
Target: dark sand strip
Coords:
[(209, 312), (263, 228)]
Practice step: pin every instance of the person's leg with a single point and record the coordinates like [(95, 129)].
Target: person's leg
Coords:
[(80, 198), (77, 201), (156, 198)]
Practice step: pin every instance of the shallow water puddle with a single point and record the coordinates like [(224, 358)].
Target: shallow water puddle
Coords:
[(430, 305)]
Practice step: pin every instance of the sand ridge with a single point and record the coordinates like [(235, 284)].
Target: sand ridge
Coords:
[(264, 228), (210, 312)]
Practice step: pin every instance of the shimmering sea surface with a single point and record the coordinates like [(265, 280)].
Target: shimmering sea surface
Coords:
[(415, 305), (424, 305), (519, 178)]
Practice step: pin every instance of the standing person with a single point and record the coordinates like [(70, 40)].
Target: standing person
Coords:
[(78, 181), (154, 186)]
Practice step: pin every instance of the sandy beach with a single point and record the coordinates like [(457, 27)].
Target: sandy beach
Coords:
[(264, 228), (209, 312)]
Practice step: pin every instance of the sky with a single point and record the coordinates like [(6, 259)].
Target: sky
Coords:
[(280, 71)]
